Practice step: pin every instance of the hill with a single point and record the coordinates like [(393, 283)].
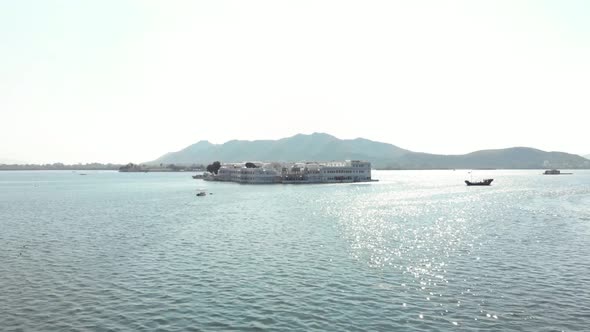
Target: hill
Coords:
[(511, 158), (317, 146), (324, 147)]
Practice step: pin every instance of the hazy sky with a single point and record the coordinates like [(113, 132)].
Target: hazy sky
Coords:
[(119, 81)]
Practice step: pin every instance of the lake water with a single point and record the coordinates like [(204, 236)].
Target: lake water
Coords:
[(417, 251)]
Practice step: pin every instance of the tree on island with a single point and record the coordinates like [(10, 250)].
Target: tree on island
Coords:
[(251, 165), (128, 167), (174, 167), (214, 168)]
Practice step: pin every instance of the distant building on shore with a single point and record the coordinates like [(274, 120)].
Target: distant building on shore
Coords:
[(301, 172)]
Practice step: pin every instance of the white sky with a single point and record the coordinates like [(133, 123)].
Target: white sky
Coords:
[(120, 81)]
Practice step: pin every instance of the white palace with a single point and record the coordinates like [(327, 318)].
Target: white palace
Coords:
[(301, 172)]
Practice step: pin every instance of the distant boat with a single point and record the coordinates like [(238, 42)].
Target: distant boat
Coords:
[(82, 173), (555, 172), (485, 182), (202, 193), (198, 176)]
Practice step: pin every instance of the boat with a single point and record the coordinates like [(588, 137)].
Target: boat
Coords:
[(198, 176), (484, 182), (202, 193), (555, 172)]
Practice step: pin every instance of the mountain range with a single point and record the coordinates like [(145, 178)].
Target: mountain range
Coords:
[(324, 147)]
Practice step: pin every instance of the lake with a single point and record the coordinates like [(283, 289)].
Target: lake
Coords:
[(416, 251)]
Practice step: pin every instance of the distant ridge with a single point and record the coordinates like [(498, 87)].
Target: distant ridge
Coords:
[(324, 147), (587, 156), (510, 158)]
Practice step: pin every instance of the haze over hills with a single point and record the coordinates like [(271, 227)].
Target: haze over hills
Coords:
[(587, 156), (8, 161), (324, 147)]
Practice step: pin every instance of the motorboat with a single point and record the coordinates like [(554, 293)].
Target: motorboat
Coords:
[(555, 172), (484, 182)]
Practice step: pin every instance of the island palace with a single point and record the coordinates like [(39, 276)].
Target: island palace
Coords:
[(300, 172)]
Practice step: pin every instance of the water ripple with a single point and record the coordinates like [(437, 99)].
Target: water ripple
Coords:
[(418, 251)]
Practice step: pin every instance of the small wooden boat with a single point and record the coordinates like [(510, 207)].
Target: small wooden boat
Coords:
[(485, 182), (202, 193)]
